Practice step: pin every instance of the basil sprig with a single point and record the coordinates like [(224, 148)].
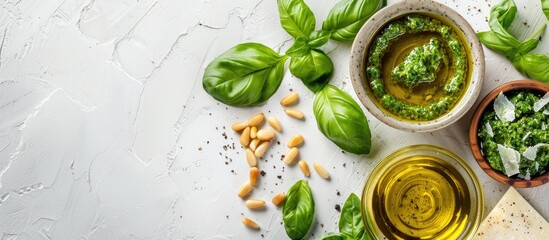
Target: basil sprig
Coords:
[(298, 210), (500, 40), (347, 17), (341, 120), (351, 226)]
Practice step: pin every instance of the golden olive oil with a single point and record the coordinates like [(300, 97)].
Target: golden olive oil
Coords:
[(421, 197)]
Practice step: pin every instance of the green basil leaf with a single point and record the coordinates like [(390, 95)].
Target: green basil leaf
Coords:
[(545, 8), (347, 17), (314, 69), (299, 48), (318, 38), (332, 236), (535, 66), (350, 221), (247, 74), (298, 210), (491, 41), (341, 120), (296, 17), (501, 17)]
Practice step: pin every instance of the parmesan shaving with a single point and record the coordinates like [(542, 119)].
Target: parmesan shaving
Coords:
[(537, 166), (532, 152), (510, 159), (542, 102), (489, 129), (526, 136), (505, 110), (546, 112)]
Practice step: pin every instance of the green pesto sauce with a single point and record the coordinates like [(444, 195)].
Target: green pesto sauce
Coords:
[(528, 129), (421, 64), (452, 86)]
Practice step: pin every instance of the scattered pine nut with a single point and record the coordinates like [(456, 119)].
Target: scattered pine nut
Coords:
[(265, 134), (292, 112), (274, 123), (295, 141), (262, 148), (321, 171), (250, 157), (304, 168), (254, 144), (255, 204), (249, 223), (279, 199), (289, 99), (290, 156), (245, 137), (245, 189), (256, 120), (239, 126), (253, 132), (254, 176)]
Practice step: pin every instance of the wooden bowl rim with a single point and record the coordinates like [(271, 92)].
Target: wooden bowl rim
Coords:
[(473, 139)]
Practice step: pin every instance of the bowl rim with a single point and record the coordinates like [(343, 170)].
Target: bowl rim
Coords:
[(476, 188), (475, 143), (367, 33)]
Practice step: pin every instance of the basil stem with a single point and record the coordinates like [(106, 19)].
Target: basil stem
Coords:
[(298, 210), (247, 74), (347, 17), (342, 120), (314, 69), (296, 18)]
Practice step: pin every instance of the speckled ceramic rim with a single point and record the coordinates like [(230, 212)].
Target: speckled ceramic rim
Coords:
[(525, 85), (359, 52)]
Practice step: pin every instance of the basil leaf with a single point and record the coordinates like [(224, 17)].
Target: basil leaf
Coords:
[(332, 236), (314, 69), (318, 38), (535, 66), (247, 74), (298, 210), (296, 17), (341, 120), (299, 48), (347, 17), (350, 221), (491, 41), (545, 8), (501, 17)]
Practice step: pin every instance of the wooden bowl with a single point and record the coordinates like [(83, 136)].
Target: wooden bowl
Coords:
[(474, 141)]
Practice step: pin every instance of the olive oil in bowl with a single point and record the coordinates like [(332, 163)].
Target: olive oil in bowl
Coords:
[(419, 193)]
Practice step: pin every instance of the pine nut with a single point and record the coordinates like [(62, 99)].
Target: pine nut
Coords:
[(249, 223), (274, 123), (245, 189), (289, 99), (245, 137), (254, 176), (291, 155), (239, 126), (256, 120), (292, 112), (321, 171), (279, 199), (295, 141), (250, 157), (253, 132), (262, 148), (304, 168), (265, 134), (255, 204), (254, 144)]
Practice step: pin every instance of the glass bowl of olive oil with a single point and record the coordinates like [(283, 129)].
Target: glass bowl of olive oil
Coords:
[(422, 192)]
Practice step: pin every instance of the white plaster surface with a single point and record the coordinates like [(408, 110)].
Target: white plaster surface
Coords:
[(106, 132)]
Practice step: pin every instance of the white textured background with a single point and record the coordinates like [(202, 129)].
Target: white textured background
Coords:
[(106, 132)]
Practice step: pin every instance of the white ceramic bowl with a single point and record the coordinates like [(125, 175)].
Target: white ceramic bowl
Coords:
[(432, 9)]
